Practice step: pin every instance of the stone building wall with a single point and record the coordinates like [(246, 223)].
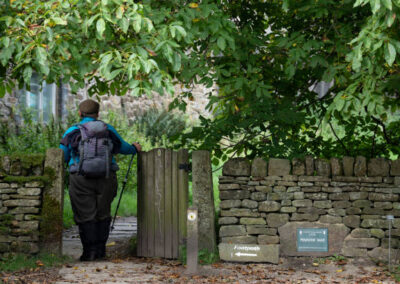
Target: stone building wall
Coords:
[(128, 105), (132, 106), (29, 211), (265, 203), (7, 103)]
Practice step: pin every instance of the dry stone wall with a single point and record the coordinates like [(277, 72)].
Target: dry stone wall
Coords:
[(265, 203), (24, 202)]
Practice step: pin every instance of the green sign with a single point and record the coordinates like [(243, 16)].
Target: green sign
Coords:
[(312, 239)]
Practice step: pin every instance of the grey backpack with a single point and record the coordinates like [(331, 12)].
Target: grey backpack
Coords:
[(95, 150)]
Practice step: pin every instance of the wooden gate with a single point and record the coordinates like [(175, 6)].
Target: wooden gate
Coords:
[(162, 202)]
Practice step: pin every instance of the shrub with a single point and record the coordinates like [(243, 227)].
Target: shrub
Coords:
[(157, 124)]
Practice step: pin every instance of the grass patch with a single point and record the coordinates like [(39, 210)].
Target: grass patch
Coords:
[(204, 256), (128, 207), (68, 216), (215, 177), (19, 262)]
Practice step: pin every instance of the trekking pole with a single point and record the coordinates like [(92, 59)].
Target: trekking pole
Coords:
[(122, 191)]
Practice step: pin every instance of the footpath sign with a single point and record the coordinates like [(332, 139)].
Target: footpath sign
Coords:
[(312, 239), (249, 252)]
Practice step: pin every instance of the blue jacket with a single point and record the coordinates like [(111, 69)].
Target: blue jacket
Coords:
[(126, 148)]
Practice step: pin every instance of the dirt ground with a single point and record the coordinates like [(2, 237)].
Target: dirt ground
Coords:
[(120, 268), (142, 270)]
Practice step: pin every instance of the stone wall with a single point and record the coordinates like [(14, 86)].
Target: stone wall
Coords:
[(265, 203), (27, 200)]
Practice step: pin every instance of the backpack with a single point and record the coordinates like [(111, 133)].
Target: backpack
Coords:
[(95, 150)]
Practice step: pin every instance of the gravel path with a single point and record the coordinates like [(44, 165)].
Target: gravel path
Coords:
[(124, 269)]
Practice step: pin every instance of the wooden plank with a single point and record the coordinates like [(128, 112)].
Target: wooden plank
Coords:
[(144, 214), (175, 206), (183, 188), (159, 202), (149, 196), (168, 205), (140, 189)]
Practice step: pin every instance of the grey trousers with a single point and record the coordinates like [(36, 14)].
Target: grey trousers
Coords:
[(91, 198)]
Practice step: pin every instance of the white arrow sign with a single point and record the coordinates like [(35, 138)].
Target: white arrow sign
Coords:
[(245, 254)]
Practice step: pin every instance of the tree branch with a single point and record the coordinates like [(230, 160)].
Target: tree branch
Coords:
[(385, 134), (338, 139)]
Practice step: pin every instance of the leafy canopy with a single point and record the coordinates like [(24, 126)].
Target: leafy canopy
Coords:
[(266, 58), (121, 45), (267, 104)]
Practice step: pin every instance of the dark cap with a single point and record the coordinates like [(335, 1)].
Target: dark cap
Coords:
[(89, 107)]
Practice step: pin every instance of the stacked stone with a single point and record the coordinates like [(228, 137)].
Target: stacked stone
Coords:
[(350, 196), (20, 203)]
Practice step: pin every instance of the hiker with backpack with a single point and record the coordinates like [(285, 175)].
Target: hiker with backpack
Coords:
[(88, 149)]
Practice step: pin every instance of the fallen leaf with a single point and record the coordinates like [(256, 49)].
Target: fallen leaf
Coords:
[(339, 270), (110, 244)]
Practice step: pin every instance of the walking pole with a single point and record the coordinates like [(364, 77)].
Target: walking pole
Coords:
[(122, 191)]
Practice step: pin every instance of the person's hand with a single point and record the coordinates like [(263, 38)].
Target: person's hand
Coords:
[(137, 146)]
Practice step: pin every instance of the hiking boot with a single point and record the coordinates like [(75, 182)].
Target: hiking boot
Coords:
[(103, 231), (87, 232)]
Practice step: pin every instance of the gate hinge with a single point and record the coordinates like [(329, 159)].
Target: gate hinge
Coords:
[(186, 167)]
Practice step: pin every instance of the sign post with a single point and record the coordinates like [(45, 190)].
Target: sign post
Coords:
[(192, 241)]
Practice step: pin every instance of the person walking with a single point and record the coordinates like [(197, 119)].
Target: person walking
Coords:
[(88, 150)]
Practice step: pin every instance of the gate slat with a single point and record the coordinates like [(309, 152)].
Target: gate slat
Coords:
[(140, 210), (168, 204), (150, 210), (183, 158), (175, 206), (159, 200)]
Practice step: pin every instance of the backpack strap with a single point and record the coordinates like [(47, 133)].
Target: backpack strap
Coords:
[(81, 151), (106, 145)]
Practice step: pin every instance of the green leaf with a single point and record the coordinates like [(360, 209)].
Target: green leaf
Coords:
[(387, 4), (135, 92), (59, 21), (124, 24), (390, 54), (27, 74), (2, 90), (6, 42), (181, 30), (177, 62), (375, 5), (41, 55), (221, 43), (100, 26), (390, 19), (133, 83), (114, 74), (120, 12), (285, 5), (137, 24)]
